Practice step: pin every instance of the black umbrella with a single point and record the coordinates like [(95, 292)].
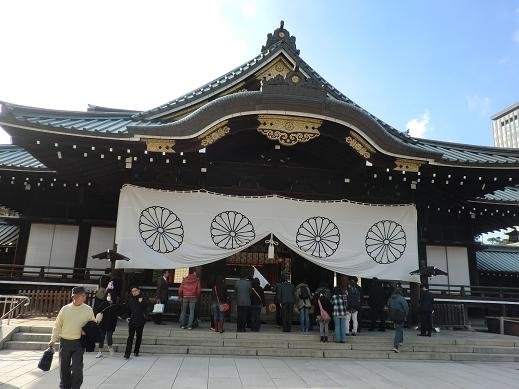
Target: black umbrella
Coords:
[(112, 256), (429, 271)]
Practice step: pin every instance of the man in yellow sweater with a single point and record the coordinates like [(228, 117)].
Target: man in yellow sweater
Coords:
[(68, 330)]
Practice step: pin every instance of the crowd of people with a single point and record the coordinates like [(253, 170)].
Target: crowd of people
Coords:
[(337, 309)]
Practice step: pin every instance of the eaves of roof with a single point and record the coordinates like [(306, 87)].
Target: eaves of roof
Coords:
[(17, 159), (498, 261), (509, 195), (8, 235)]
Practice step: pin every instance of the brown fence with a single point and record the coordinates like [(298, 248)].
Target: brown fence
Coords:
[(48, 302)]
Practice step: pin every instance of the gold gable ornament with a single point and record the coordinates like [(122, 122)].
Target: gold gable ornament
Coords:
[(278, 68), (409, 165), (160, 145), (214, 133), (289, 130), (358, 144)]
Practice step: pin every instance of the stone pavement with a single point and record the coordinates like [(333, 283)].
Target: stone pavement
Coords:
[(18, 370)]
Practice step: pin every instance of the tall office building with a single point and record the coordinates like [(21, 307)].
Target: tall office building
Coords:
[(505, 125)]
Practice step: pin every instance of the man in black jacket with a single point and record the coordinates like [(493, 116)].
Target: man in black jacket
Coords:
[(377, 301), (137, 310), (161, 296), (286, 300), (426, 310)]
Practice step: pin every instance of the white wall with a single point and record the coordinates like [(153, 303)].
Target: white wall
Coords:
[(453, 260), (101, 239), (52, 245)]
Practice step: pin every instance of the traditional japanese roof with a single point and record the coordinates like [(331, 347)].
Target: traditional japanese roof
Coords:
[(16, 158), (187, 116), (501, 259), (8, 235), (510, 194)]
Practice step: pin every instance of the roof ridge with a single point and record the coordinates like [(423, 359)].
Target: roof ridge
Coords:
[(478, 148), (10, 108), (201, 89)]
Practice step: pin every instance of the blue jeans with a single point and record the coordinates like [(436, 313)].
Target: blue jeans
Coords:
[(217, 314), (399, 334), (340, 328), (188, 303), (304, 319)]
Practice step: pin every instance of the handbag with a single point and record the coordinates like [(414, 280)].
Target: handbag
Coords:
[(324, 315), (46, 359), (158, 308), (223, 307)]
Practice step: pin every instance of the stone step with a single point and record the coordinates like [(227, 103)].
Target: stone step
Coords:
[(318, 350), (306, 342)]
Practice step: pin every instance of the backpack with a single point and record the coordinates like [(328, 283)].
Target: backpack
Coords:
[(353, 298), (304, 293), (396, 315)]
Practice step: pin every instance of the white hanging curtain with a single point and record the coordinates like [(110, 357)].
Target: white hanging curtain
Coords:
[(163, 229)]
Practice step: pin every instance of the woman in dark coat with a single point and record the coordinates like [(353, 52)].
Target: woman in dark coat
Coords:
[(107, 324)]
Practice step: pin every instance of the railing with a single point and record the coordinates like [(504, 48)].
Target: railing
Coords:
[(12, 306), (475, 292), (48, 302), (51, 272)]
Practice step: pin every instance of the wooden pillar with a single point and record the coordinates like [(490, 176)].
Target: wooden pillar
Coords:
[(23, 242), (414, 287), (83, 242)]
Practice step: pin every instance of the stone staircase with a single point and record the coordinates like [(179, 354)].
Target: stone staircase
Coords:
[(272, 343)]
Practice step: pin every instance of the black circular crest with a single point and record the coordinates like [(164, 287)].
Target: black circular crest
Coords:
[(161, 229), (231, 229), (318, 236), (385, 241)]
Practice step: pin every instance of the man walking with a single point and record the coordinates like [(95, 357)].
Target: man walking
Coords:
[(426, 310), (68, 330), (161, 296), (398, 310)]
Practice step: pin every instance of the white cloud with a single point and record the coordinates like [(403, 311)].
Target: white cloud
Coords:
[(516, 36), (249, 9), (419, 126), (480, 104)]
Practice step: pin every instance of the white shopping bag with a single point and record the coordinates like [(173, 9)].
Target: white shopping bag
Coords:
[(158, 308)]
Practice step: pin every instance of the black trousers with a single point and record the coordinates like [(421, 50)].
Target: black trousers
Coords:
[(132, 330), (70, 363), (425, 323), (241, 320), (377, 313), (279, 322), (255, 317), (286, 316)]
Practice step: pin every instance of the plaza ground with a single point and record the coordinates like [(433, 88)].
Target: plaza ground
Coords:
[(18, 368)]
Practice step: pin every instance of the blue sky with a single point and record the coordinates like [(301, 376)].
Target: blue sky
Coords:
[(441, 68)]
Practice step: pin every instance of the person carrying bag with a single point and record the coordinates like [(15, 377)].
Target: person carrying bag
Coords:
[(219, 307)]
